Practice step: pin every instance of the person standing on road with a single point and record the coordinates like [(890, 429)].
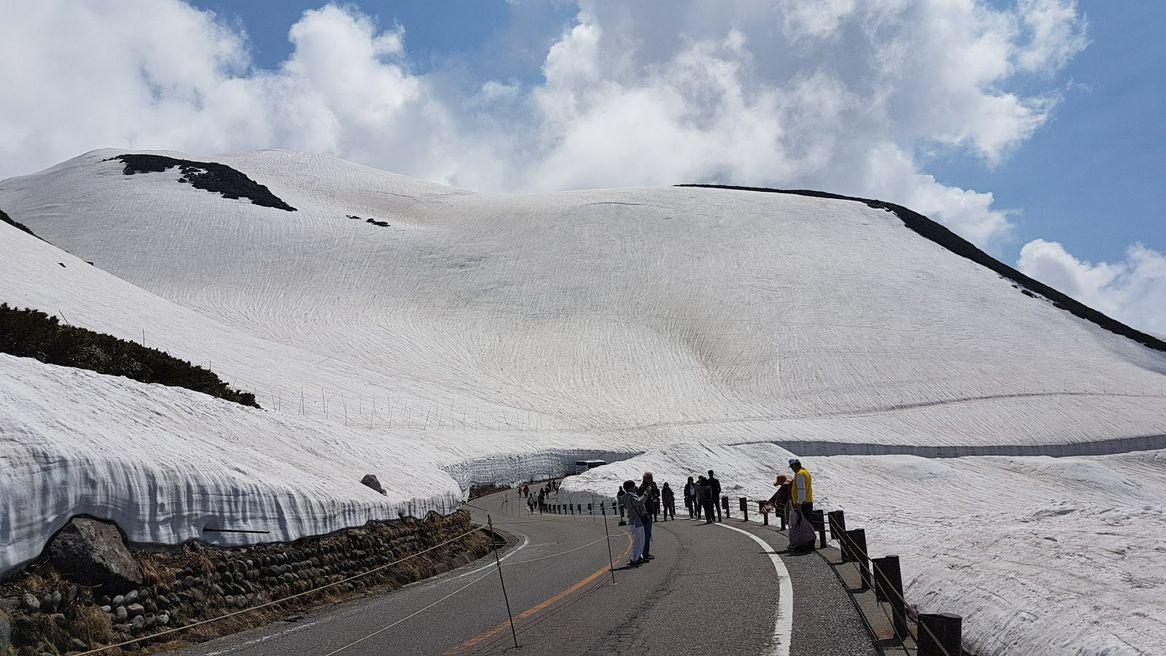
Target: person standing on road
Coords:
[(530, 501), (690, 497), (802, 489), (705, 497), (779, 502), (637, 515), (622, 506), (651, 496), (715, 488), (542, 498), (669, 499)]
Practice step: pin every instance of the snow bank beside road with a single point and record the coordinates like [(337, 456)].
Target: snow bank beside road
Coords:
[(165, 463), (1040, 555)]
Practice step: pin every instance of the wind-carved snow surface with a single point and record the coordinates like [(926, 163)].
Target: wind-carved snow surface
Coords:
[(488, 338)]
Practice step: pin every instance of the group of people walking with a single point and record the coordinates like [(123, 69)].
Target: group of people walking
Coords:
[(702, 497), (643, 503)]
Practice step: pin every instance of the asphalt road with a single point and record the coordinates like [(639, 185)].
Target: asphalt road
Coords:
[(709, 591)]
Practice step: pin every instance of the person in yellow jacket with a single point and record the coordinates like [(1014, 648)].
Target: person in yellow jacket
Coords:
[(802, 489)]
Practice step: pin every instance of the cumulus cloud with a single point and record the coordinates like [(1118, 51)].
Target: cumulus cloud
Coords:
[(842, 95), (1132, 290)]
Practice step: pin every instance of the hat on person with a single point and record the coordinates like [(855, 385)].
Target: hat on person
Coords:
[(781, 480), (794, 461)]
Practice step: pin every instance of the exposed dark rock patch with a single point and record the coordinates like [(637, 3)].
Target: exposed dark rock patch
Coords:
[(33, 334), (209, 176), (93, 552), (381, 224), (371, 481), (19, 226), (937, 233)]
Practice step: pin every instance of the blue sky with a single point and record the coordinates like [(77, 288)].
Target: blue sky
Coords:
[(1093, 176), (1032, 127)]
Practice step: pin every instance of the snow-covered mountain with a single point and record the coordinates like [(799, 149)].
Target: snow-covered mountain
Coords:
[(434, 336)]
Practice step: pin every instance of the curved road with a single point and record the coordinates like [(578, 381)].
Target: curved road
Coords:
[(709, 590)]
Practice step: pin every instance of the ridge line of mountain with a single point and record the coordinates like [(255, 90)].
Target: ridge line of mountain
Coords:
[(934, 231)]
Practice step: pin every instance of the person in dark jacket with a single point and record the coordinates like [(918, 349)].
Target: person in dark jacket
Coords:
[(669, 499), (704, 493), (690, 497), (715, 490), (619, 502), (651, 495)]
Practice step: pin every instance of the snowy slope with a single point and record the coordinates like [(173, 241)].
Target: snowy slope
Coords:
[(682, 313), (481, 337)]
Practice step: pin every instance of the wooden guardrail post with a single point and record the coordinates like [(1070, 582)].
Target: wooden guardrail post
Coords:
[(725, 504), (940, 634), (818, 521), (838, 531), (764, 515), (857, 539), (888, 585), (744, 501)]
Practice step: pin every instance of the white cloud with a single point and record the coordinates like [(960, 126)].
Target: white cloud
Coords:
[(1132, 291), (835, 94)]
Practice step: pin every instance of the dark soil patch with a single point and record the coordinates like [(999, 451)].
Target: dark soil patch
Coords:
[(482, 490), (937, 233), (33, 334), (210, 176)]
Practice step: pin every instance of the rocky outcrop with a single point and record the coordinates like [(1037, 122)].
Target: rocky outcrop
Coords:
[(5, 634), (93, 552), (370, 480)]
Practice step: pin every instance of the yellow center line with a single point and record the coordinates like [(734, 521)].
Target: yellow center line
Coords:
[(537, 608)]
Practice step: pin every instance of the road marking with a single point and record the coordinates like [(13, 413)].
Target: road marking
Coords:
[(542, 605), (256, 641), (783, 625), (525, 543)]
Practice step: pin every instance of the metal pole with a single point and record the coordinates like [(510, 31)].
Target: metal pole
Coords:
[(498, 562), (606, 534)]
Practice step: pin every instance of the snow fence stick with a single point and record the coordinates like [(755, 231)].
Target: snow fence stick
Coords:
[(610, 560), (498, 562)]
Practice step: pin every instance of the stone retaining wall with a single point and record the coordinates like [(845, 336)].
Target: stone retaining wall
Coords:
[(48, 613)]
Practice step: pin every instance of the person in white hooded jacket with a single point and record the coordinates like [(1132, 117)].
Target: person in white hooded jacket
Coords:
[(637, 516)]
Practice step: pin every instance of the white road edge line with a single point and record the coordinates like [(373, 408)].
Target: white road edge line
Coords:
[(784, 623), (251, 643), (301, 627)]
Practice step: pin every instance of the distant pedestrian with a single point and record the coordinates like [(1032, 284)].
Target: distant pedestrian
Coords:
[(637, 516), (779, 502), (705, 494), (651, 495), (689, 497), (530, 502), (619, 502), (669, 499), (802, 503), (715, 489), (542, 498)]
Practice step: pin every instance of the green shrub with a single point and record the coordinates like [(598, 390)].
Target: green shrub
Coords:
[(33, 334)]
